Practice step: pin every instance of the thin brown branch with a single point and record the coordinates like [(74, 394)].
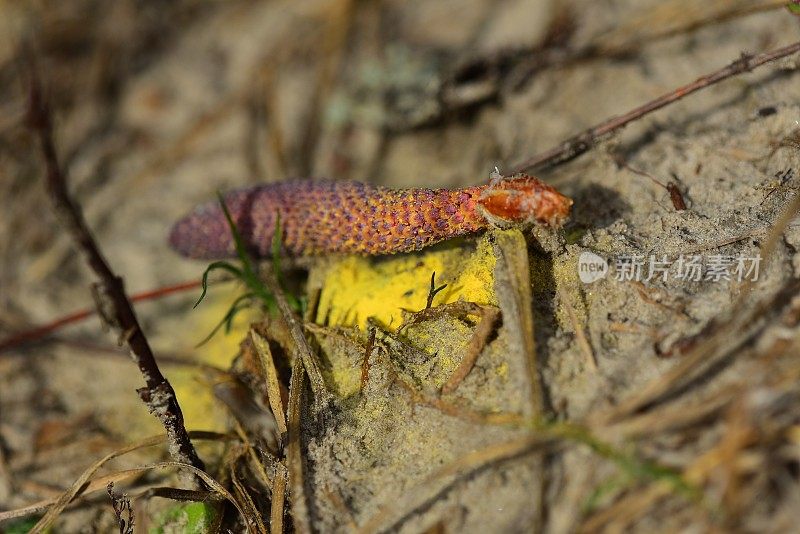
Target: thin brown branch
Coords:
[(113, 303), (37, 333), (586, 140), (487, 320)]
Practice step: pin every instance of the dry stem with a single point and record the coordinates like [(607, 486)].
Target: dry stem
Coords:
[(586, 140), (113, 302)]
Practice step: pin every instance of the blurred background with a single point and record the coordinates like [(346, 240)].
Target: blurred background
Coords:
[(158, 105)]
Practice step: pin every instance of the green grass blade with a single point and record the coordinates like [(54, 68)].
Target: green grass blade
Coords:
[(247, 273), (217, 265), (277, 238), (241, 250), (294, 302), (227, 321)]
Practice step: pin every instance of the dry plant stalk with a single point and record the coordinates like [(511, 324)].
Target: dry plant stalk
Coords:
[(278, 500), (85, 484), (294, 451), (487, 319), (270, 379), (586, 140), (512, 272), (322, 397), (113, 303)]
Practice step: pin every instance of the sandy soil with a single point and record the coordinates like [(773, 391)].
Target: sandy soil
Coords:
[(159, 107)]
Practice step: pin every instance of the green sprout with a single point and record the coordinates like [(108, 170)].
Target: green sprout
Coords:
[(247, 273)]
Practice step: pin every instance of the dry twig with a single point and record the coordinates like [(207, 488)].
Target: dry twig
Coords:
[(586, 140), (113, 303), (487, 319), (580, 335), (40, 332), (85, 484)]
